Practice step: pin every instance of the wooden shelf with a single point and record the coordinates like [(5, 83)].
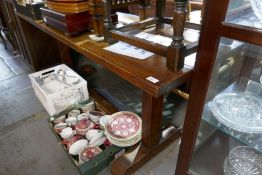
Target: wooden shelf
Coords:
[(133, 70)]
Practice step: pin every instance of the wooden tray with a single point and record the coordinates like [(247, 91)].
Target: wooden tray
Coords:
[(68, 7), (71, 23)]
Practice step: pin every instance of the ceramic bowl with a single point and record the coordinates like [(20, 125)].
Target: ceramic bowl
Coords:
[(88, 153), (83, 124), (96, 137), (86, 129), (67, 133), (82, 116), (77, 146), (58, 127), (60, 119), (74, 113), (71, 121), (69, 142), (123, 126), (95, 116), (98, 141)]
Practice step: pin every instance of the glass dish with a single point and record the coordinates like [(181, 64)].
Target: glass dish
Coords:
[(241, 167), (238, 110), (247, 153), (243, 160)]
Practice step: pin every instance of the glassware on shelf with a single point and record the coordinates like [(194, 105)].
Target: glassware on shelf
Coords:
[(243, 160), (257, 8), (238, 110)]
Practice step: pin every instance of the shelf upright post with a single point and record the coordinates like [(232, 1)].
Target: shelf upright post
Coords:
[(214, 15)]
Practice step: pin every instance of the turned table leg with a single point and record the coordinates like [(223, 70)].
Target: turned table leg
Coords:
[(107, 20), (143, 9), (96, 9), (160, 9), (176, 51)]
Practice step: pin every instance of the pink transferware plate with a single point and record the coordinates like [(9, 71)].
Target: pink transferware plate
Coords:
[(124, 125), (88, 153)]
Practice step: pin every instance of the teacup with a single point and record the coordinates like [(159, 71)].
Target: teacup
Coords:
[(83, 126), (74, 113), (104, 120), (58, 127), (95, 116), (67, 133), (71, 121), (82, 116)]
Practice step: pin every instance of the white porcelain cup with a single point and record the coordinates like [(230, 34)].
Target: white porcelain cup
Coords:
[(82, 116), (104, 120), (58, 127), (67, 133), (95, 116), (71, 121)]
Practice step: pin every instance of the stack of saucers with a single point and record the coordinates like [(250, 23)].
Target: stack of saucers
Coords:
[(124, 129)]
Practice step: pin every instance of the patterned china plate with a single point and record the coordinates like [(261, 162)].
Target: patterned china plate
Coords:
[(124, 125), (88, 153)]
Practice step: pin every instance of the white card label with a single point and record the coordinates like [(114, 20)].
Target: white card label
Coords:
[(129, 50), (152, 79)]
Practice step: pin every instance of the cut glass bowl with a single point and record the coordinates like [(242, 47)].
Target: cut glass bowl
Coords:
[(238, 110), (243, 160)]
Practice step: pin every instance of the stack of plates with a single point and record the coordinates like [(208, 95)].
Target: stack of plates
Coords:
[(124, 129), (243, 160)]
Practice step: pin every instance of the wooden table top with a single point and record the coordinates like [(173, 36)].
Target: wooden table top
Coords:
[(133, 70)]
